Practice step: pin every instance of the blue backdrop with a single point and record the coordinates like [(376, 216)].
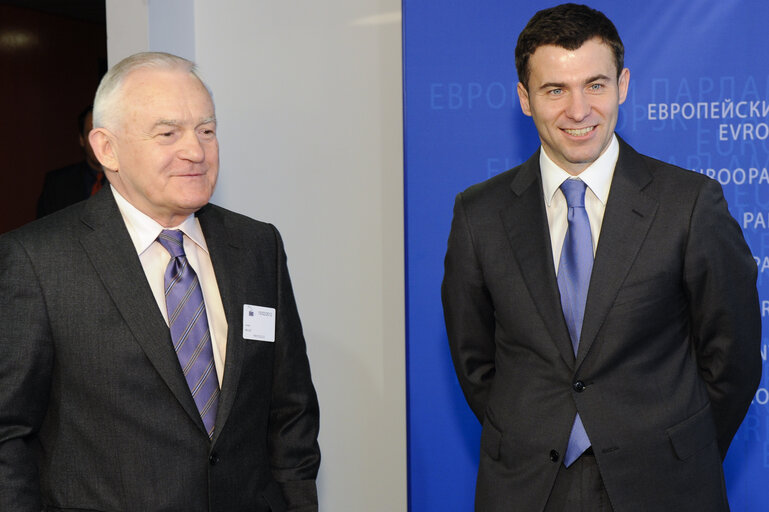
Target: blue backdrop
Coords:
[(699, 97)]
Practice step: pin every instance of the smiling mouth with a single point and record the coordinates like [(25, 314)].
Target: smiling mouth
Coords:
[(191, 173), (580, 132)]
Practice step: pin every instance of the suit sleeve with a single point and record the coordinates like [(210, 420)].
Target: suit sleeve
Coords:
[(469, 313), (720, 280), (294, 413), (26, 358)]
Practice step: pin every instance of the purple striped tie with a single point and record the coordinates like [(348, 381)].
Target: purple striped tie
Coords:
[(189, 328)]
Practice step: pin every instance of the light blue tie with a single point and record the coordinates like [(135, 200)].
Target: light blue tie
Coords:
[(189, 328), (574, 270)]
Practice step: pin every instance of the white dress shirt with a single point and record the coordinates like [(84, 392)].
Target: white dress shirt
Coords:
[(597, 176), (154, 260)]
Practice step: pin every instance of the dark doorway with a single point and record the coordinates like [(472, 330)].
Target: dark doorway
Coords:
[(52, 55)]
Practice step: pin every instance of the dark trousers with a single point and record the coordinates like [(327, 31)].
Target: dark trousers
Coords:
[(579, 488)]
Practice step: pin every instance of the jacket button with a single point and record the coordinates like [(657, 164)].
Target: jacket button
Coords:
[(213, 459), (579, 386), (554, 456)]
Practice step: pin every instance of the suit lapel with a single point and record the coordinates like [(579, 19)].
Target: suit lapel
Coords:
[(224, 251), (234, 266), (109, 248), (628, 216), (527, 229)]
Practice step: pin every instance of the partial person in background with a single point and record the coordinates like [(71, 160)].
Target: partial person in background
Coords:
[(601, 305), (73, 183), (151, 353)]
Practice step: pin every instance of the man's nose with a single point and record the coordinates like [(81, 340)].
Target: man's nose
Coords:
[(191, 147), (579, 107)]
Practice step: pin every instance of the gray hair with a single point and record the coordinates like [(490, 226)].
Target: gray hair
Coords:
[(106, 103)]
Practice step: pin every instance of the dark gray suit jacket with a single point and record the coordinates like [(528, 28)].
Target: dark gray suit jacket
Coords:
[(669, 355), (95, 413)]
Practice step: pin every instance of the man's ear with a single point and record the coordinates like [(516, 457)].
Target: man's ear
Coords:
[(622, 84), (523, 98), (103, 145)]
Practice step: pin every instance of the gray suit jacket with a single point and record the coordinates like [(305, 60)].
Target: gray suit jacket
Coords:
[(669, 355), (95, 413)]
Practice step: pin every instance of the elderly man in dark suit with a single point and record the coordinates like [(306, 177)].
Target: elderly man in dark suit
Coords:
[(151, 354), (600, 305)]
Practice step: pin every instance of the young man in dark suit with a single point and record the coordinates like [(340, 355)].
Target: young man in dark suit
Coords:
[(600, 305), (151, 353)]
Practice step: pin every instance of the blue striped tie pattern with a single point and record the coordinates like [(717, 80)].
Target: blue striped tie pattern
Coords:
[(574, 271), (189, 328)]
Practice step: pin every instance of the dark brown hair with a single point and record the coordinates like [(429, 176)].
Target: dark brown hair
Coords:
[(567, 26)]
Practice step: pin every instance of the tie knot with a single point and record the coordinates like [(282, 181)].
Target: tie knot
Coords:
[(172, 241), (574, 190)]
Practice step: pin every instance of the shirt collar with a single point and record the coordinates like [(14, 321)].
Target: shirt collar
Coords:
[(597, 176), (144, 230)]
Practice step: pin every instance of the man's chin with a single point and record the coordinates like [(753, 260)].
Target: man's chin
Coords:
[(195, 195), (584, 157), (192, 207)]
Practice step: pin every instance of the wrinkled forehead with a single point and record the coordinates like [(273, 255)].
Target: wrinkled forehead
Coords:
[(148, 81), (151, 94)]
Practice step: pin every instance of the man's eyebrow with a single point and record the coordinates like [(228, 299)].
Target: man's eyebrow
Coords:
[(165, 122), (173, 123), (207, 120), (561, 85), (597, 78), (552, 85)]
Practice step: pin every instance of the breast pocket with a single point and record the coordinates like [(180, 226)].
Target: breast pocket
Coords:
[(650, 289)]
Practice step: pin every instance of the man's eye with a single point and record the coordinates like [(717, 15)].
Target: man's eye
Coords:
[(556, 92), (596, 87)]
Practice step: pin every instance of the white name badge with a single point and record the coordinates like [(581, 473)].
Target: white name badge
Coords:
[(258, 323)]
